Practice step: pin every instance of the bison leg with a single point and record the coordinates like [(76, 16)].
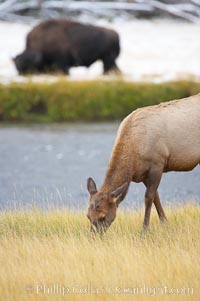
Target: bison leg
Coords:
[(60, 64), (66, 70), (116, 70), (63, 67), (109, 65), (151, 182)]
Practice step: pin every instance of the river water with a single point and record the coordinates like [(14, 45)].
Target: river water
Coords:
[(49, 165)]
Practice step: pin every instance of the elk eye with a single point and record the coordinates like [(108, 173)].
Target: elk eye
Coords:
[(97, 207)]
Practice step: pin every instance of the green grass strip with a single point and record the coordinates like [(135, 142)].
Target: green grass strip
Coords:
[(65, 101)]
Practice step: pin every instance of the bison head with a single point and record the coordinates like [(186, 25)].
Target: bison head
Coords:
[(28, 62)]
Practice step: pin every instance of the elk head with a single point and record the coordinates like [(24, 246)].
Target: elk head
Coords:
[(103, 206)]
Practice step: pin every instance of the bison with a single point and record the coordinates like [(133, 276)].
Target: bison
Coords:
[(58, 44)]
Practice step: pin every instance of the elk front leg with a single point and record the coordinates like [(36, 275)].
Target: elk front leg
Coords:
[(151, 182), (159, 208)]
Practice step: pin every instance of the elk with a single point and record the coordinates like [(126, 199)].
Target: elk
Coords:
[(150, 141)]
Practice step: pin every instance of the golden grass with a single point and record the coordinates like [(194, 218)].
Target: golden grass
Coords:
[(53, 250)]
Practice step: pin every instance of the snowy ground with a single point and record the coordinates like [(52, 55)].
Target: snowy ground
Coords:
[(155, 50)]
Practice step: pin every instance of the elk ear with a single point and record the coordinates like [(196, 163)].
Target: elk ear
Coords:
[(118, 193), (91, 186)]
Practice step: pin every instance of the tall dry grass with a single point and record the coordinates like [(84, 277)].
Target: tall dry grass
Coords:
[(44, 255)]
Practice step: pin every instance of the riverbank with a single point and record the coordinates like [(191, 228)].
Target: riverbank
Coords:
[(100, 100), (44, 255)]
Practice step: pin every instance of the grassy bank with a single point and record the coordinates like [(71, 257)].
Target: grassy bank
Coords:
[(40, 253), (84, 101)]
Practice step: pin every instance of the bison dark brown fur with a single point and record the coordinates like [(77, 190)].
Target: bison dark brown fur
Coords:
[(60, 44)]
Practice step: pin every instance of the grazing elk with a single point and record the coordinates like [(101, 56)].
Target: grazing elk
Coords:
[(150, 141)]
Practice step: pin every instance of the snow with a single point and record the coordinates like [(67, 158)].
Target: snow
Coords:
[(152, 50)]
